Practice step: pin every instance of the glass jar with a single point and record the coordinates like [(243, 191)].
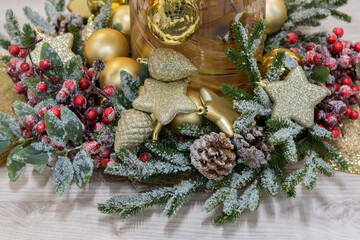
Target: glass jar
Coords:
[(206, 48)]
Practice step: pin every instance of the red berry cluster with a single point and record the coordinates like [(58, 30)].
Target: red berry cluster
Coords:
[(100, 152), (341, 58)]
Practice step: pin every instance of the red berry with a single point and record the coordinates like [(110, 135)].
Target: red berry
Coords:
[(145, 157), (55, 80), (346, 51), (344, 61), (84, 83), (109, 113), (357, 47), (80, 101), (29, 73), (96, 161), (40, 127), (22, 53), (331, 38), (70, 85), (56, 112), (83, 68), (98, 127), (62, 95), (353, 100), (354, 115), (295, 50), (18, 88), (105, 162), (24, 67), (331, 120), (104, 152), (91, 147), (345, 91), (335, 132), (30, 121), (109, 90), (43, 110), (13, 63), (320, 125), (336, 87), (44, 65), (348, 111), (309, 56), (14, 50), (105, 120), (337, 47), (92, 114), (45, 139), (355, 89), (346, 81), (346, 44), (59, 106), (32, 104), (27, 133), (291, 38), (41, 87), (309, 46), (355, 60), (90, 73), (339, 32), (318, 59)]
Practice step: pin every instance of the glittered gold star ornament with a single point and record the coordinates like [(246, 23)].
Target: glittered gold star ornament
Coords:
[(164, 100), (295, 98), (219, 110), (79, 7), (88, 29), (61, 44)]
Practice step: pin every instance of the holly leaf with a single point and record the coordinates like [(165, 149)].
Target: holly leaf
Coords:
[(129, 86), (47, 52), (320, 74), (44, 103), (22, 110), (55, 129), (63, 174), (358, 69), (14, 168), (9, 127), (5, 142), (71, 69), (36, 153), (83, 168), (72, 125)]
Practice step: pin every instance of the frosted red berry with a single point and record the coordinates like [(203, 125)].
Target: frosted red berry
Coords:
[(43, 110), (30, 72), (44, 65), (346, 81), (345, 91), (354, 115), (55, 80), (295, 50), (70, 85), (40, 127), (104, 152), (335, 132), (84, 83), (92, 114), (109, 90), (348, 111), (56, 112), (32, 104), (318, 59), (357, 47), (22, 53), (336, 87), (337, 47), (90, 73), (41, 87), (330, 63), (355, 89), (331, 120), (13, 63), (18, 88), (80, 101), (344, 61), (62, 95), (24, 67), (14, 50), (105, 162), (145, 157), (353, 100), (91, 147), (339, 32), (109, 113), (331, 38), (30, 121), (309, 56), (98, 127), (27, 133), (291, 38), (105, 120)]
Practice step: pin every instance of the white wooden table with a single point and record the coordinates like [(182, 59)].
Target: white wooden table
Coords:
[(29, 208)]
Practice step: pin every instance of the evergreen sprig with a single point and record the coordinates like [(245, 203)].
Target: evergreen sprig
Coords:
[(36, 19)]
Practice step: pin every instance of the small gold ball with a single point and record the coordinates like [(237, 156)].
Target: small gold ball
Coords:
[(121, 16), (276, 15), (269, 57), (111, 73), (106, 44)]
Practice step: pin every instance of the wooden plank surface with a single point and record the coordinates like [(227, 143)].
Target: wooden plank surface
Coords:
[(29, 208)]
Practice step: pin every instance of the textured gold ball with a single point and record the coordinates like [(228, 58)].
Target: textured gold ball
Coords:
[(276, 15), (111, 73), (106, 44), (121, 16), (193, 118), (269, 57)]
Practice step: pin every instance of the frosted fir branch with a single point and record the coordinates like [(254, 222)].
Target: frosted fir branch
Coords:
[(290, 152), (284, 134), (60, 5), (101, 20), (269, 181), (184, 146), (275, 70), (50, 9), (235, 180), (256, 36), (320, 132), (12, 27), (323, 167), (292, 180), (28, 37), (4, 42), (262, 97), (244, 121), (311, 173), (196, 131), (36, 19), (235, 93)]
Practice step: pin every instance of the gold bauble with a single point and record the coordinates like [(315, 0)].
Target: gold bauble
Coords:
[(192, 118), (276, 15), (106, 44), (172, 21), (111, 73), (121, 16), (269, 58), (95, 5)]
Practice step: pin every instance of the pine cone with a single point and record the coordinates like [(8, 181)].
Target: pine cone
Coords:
[(213, 155), (251, 148), (61, 21), (133, 129)]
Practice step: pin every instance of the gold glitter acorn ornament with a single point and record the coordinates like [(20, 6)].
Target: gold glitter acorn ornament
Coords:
[(295, 98), (133, 129), (276, 14), (121, 16)]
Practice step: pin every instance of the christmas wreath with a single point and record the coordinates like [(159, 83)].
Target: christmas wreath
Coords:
[(76, 119)]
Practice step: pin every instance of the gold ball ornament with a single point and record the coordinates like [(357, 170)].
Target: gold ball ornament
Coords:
[(121, 16), (111, 73), (276, 15), (292, 59), (106, 44)]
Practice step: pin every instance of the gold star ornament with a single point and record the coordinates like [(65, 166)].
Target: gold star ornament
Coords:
[(295, 98), (61, 44), (79, 7), (164, 100)]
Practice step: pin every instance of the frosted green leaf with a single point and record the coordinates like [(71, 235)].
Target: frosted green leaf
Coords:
[(8, 126), (72, 125), (129, 86), (63, 173), (71, 69), (44, 103), (22, 110), (36, 153), (83, 168), (14, 168), (55, 129), (4, 142)]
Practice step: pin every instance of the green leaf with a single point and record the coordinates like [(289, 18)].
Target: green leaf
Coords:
[(63, 174), (9, 127), (83, 167), (320, 74), (358, 69), (14, 168), (71, 69), (129, 86), (44, 103), (55, 129), (72, 125), (40, 168), (37, 153), (22, 110), (5, 142), (47, 52)]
